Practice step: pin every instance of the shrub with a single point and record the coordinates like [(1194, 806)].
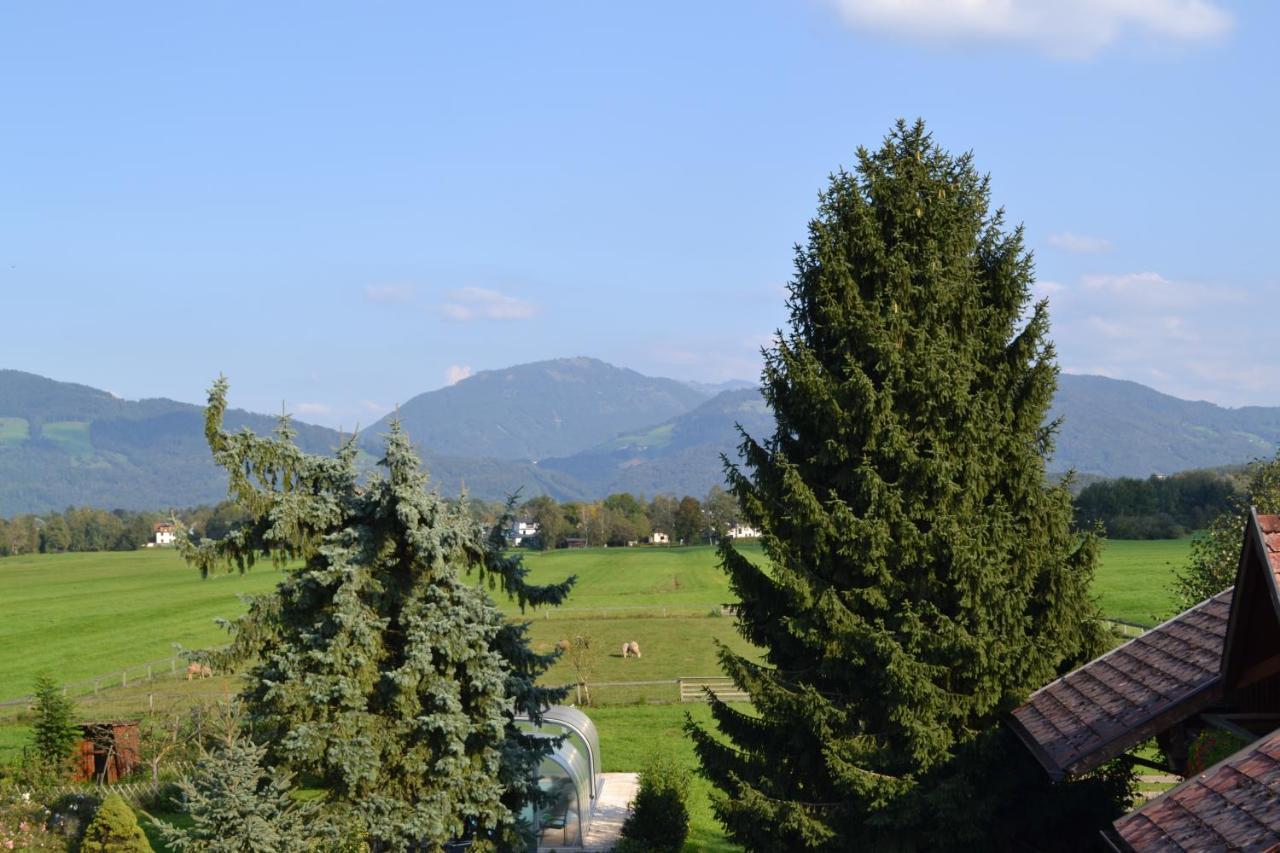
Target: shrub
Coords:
[(658, 819), (114, 829), (1211, 746), (22, 824)]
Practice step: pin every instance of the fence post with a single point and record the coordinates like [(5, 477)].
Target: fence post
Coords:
[(148, 672), (95, 687), (151, 701), (124, 678)]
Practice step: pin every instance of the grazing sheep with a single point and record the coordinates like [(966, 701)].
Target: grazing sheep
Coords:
[(564, 645), (199, 670), (632, 647)]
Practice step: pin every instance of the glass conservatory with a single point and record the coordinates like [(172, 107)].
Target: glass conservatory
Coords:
[(571, 774)]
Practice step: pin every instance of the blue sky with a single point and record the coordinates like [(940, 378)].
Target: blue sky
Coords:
[(341, 206)]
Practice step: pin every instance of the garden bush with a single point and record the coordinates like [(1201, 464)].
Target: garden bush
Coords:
[(114, 829), (1211, 746), (658, 819)]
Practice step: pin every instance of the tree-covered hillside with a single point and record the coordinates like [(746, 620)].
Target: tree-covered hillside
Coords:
[(1123, 429), (533, 411)]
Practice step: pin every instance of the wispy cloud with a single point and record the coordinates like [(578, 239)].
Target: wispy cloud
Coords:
[(1184, 337), (312, 409), (1075, 29), (389, 294), (481, 303), (1079, 243), (455, 373)]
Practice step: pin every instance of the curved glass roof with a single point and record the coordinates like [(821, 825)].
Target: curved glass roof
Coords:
[(571, 774)]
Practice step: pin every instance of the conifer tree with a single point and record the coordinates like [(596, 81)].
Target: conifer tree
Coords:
[(238, 805), (53, 732), (114, 829), (380, 668), (924, 577)]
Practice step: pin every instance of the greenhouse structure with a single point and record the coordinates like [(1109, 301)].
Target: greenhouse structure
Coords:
[(571, 774)]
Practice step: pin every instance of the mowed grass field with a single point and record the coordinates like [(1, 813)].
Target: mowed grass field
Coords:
[(81, 616)]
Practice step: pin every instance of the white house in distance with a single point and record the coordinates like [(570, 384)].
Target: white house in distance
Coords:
[(164, 533), (521, 531), (742, 531), (660, 538)]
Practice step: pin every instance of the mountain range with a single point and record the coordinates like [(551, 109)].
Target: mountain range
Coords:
[(574, 428)]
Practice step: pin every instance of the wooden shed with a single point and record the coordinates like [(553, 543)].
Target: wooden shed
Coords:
[(108, 751)]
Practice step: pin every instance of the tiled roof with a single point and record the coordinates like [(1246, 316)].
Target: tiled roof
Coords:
[(1269, 526), (1115, 702), (1234, 805)]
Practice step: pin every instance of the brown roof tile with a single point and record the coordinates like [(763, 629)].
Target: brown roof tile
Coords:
[(1234, 805), (1102, 709), (1270, 527)]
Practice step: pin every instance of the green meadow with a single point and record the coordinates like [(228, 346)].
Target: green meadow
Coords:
[(86, 616)]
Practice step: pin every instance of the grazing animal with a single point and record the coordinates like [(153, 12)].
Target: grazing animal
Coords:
[(632, 648), (199, 670), (564, 645)]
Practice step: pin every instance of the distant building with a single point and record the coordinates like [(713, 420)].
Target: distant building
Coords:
[(164, 533), (660, 538), (522, 532), (742, 531)]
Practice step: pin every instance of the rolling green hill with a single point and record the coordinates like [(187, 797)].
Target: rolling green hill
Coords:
[(532, 411), (681, 455), (572, 428)]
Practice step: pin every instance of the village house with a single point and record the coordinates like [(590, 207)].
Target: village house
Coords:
[(1213, 669), (164, 533), (659, 538), (742, 531), (522, 532)]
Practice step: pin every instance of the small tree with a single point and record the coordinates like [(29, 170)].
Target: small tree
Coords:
[(53, 734), (658, 819), (237, 805), (583, 660), (114, 829), (1215, 554), (689, 520)]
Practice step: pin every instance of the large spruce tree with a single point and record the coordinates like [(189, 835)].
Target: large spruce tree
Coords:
[(379, 668), (923, 576)]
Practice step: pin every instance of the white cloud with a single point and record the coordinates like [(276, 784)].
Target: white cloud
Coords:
[(480, 303), (1079, 243), (389, 294), (1185, 338), (1064, 28), (455, 373), (312, 409)]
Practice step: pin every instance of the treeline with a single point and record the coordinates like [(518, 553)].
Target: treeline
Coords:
[(1159, 507), (90, 529), (621, 519)]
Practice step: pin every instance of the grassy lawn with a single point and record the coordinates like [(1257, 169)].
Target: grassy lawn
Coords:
[(72, 435), (86, 615), (1134, 578), (13, 430)]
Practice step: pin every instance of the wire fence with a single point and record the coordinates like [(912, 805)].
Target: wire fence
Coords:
[(173, 667)]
